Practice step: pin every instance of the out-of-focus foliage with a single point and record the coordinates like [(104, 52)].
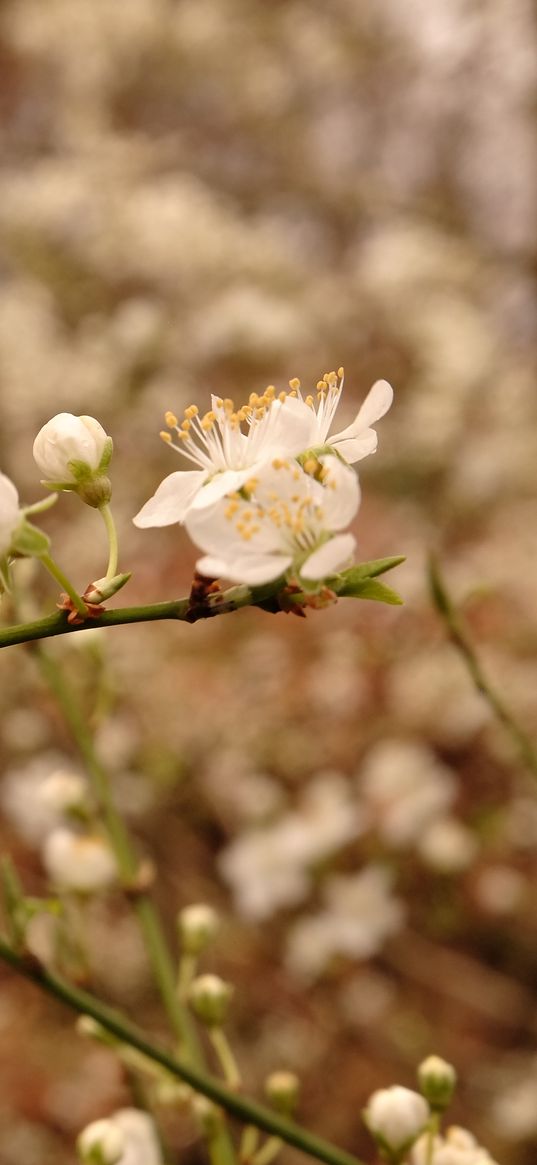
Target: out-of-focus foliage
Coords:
[(209, 196)]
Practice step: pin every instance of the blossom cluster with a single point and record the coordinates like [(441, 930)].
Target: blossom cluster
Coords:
[(273, 492)]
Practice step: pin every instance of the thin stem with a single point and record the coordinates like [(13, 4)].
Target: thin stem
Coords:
[(161, 962), (111, 531), (461, 640), (226, 1058), (245, 1110), (268, 1151), (66, 585)]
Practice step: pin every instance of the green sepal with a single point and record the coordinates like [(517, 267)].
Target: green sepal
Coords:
[(81, 471), (371, 569), (369, 588), (29, 542), (40, 507), (106, 456), (5, 575)]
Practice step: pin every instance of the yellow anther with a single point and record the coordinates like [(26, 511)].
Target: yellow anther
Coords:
[(310, 466), (251, 484), (191, 411), (331, 378), (294, 383), (282, 396), (167, 437), (228, 404), (219, 402), (182, 435), (231, 509), (208, 420), (321, 386), (253, 400), (341, 372), (309, 401), (270, 392), (170, 419), (186, 425)]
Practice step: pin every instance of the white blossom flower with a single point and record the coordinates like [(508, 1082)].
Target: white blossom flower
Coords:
[(227, 455), (268, 868), (358, 439), (458, 1147), (128, 1137), (360, 913), (10, 512), (80, 862), (395, 1116), (406, 788), (65, 440), (290, 525), (101, 1143)]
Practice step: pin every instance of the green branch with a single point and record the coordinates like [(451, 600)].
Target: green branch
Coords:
[(460, 639), (245, 1110)]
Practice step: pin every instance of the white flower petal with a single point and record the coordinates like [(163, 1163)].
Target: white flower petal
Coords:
[(375, 405), (172, 499), (330, 558), (221, 484), (252, 569), (341, 493), (354, 448)]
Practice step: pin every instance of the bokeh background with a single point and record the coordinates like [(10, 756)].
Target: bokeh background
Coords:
[(214, 195)]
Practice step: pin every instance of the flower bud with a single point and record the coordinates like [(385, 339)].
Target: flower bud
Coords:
[(80, 862), (208, 1116), (209, 997), (63, 792), (281, 1089), (10, 513), (197, 926), (101, 1143), (395, 1117), (74, 453), (437, 1080), (104, 588)]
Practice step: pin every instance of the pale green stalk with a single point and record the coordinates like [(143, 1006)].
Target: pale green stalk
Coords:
[(111, 532), (64, 583)]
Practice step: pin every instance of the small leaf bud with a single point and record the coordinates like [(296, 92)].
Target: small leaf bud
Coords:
[(210, 997), (104, 588), (281, 1089), (101, 1143), (437, 1080), (395, 1117), (197, 926)]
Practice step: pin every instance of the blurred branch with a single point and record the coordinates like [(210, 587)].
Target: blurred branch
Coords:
[(245, 1110), (461, 640)]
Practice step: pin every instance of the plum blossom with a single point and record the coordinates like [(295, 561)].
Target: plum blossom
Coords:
[(80, 862), (10, 513), (396, 1116), (290, 524), (356, 441), (128, 1137), (458, 1147), (227, 455)]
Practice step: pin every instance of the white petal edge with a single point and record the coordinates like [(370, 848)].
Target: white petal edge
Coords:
[(353, 449), (172, 499), (253, 570), (377, 402), (330, 558), (221, 484)]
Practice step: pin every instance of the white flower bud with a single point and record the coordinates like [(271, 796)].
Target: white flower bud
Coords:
[(101, 1143), (282, 1089), (197, 925), (437, 1080), (10, 513), (65, 439), (395, 1117), (63, 791), (80, 862), (209, 997)]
